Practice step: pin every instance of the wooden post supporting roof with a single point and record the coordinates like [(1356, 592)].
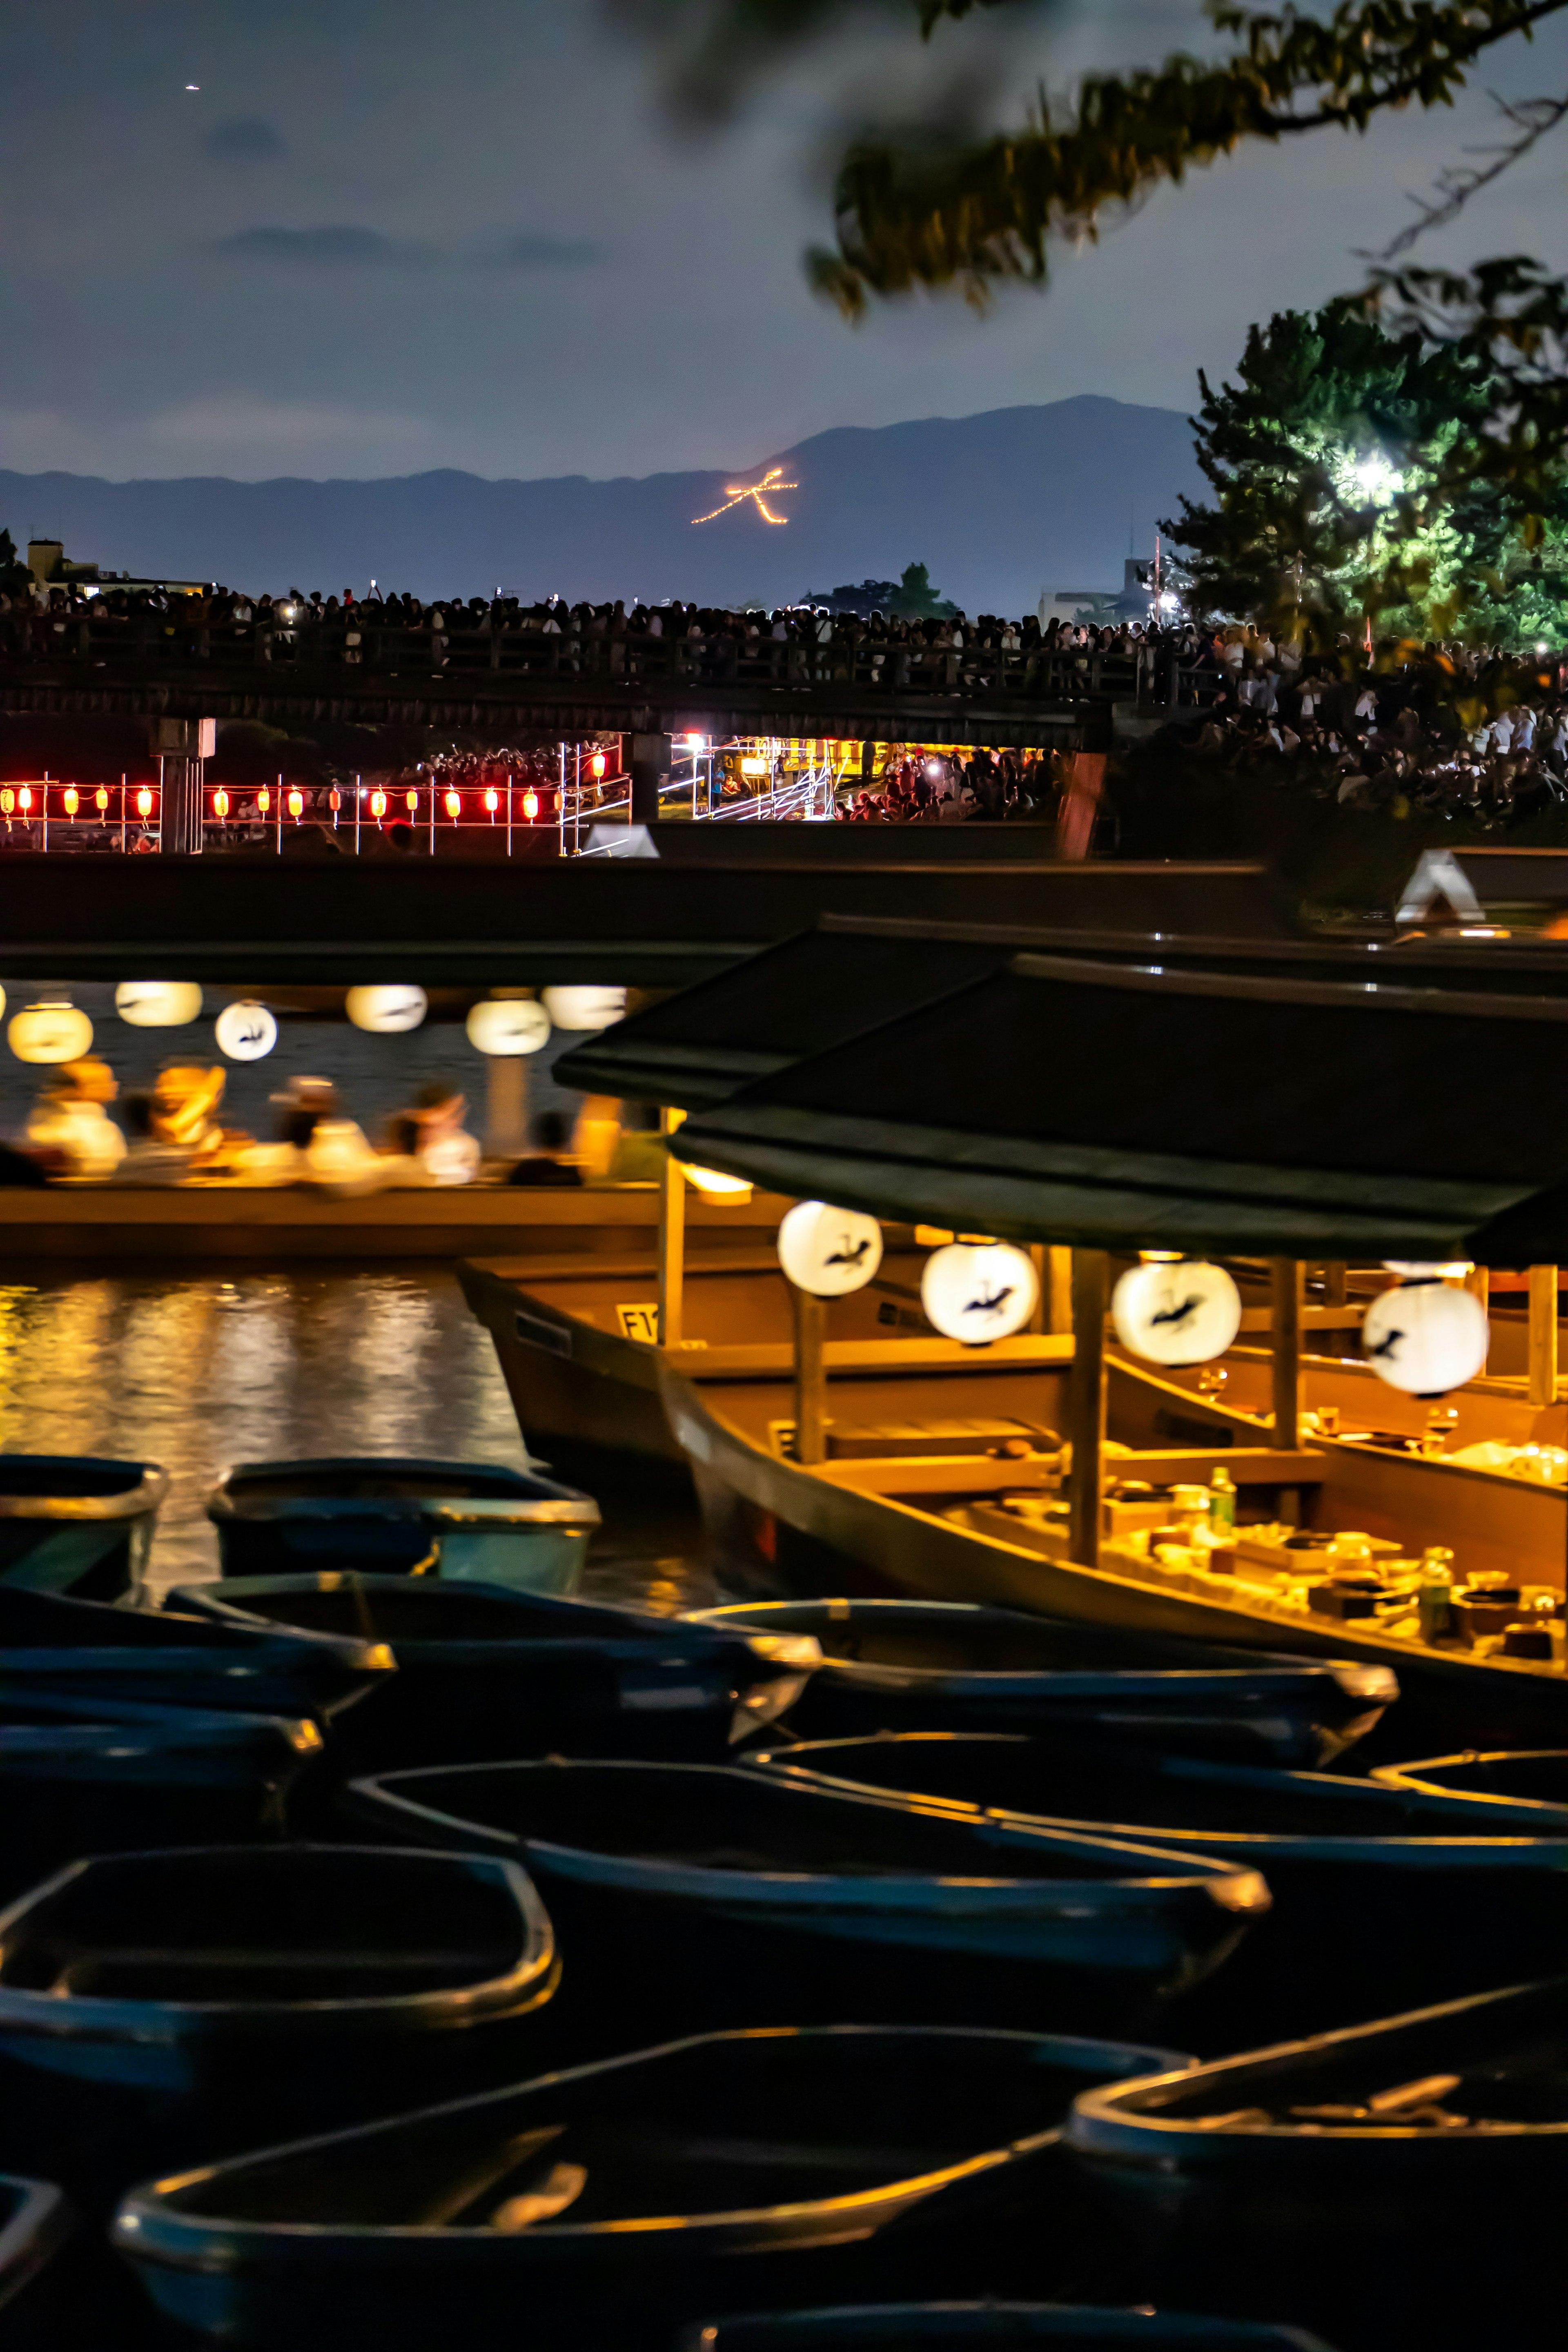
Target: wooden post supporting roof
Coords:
[(671, 1239), (810, 1379), (1086, 1403), (1285, 1285), (1542, 1335)]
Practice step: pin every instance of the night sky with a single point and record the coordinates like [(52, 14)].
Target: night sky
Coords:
[(388, 235)]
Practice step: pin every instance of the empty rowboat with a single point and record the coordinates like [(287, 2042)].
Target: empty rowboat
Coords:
[(88, 1776), (1528, 1787), (1005, 2326), (158, 2008), (951, 1666), (50, 1642), (36, 2224), (76, 1522), (484, 1672), (611, 2203), (388, 1516), (748, 1900), (1381, 1893)]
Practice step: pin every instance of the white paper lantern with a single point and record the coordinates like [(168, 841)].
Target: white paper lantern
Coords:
[(1425, 1337), (508, 1025), (828, 1252), (978, 1291), (1429, 1270), (158, 1003), (585, 1008), (50, 1033), (1180, 1311), (388, 1011), (246, 1032), (714, 1184)]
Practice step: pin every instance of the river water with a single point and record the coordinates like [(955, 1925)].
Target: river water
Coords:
[(197, 1371)]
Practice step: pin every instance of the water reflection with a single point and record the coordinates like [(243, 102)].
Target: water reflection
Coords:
[(196, 1373)]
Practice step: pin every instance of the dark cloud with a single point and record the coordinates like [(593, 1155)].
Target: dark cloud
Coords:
[(245, 138), (550, 253), (333, 245)]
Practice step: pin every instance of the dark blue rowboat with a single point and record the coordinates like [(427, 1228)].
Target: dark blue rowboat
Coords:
[(604, 2206), (1524, 1787), (1380, 1892), (478, 1522), (948, 1665), (157, 2007), (51, 1643), (1005, 2327), (1394, 2183), (88, 1776), (748, 1900), (485, 1671), (76, 1522), (36, 2224)]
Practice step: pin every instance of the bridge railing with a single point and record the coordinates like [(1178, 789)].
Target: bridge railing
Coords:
[(522, 649)]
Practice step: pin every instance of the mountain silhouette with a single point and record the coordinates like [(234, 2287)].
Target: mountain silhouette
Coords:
[(999, 506)]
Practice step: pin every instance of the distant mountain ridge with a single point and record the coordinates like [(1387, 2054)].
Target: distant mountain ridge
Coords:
[(999, 505)]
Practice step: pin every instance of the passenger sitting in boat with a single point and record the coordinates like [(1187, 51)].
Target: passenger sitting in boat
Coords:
[(70, 1128), (549, 1162), (323, 1147), (150, 1160), (445, 1150), (185, 1102)]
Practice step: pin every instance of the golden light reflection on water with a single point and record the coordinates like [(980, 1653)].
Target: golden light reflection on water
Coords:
[(197, 1371)]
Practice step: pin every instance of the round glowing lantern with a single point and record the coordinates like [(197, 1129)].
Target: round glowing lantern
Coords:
[(828, 1252), (220, 803), (453, 804), (596, 767), (1176, 1312), (245, 1033), (143, 804), (158, 1003), (25, 799), (585, 1008), (72, 800), (296, 803), (530, 804), (50, 1033), (1425, 1337), (101, 799), (714, 1185), (1429, 1270), (264, 799), (978, 1291), (388, 1010), (508, 1025), (493, 801), (378, 805)]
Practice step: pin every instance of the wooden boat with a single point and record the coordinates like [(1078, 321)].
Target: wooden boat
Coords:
[(766, 1901), (1527, 1788), (952, 1665), (612, 2202), (86, 1775), (1381, 1893), (958, 2326), (36, 2224), (485, 1671), (158, 2007), (469, 1521), (76, 1522), (52, 1644), (1309, 2174)]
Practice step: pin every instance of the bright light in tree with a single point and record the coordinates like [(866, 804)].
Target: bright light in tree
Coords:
[(1375, 478)]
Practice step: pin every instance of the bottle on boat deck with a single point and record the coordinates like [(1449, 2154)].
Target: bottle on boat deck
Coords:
[(1222, 1506), (1434, 1593)]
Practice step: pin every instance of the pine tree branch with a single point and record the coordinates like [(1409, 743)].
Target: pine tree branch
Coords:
[(910, 218), (1532, 118)]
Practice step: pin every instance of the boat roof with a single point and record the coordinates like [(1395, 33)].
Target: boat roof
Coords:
[(1126, 1105), (851, 973)]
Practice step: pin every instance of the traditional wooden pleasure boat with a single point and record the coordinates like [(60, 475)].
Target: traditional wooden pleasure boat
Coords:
[(1004, 2327), (609, 2204)]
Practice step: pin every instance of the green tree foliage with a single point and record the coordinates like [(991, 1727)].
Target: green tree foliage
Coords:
[(1349, 467)]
